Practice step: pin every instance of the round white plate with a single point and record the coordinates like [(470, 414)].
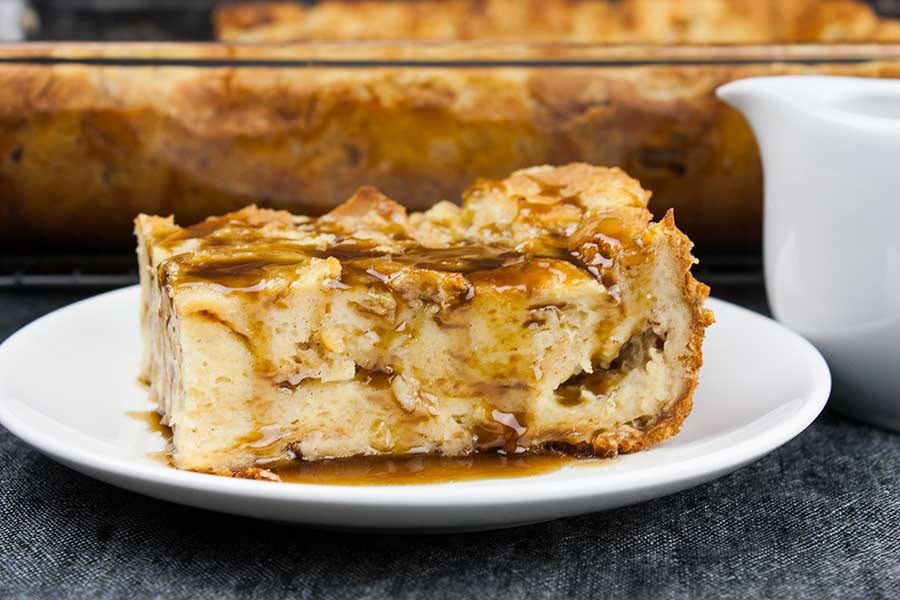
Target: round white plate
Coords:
[(68, 379)]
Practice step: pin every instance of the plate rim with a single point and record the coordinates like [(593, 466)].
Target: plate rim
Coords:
[(451, 495)]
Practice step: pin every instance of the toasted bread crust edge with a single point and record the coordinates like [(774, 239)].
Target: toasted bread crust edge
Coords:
[(696, 293)]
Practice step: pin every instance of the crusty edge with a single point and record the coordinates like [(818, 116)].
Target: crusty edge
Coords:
[(625, 440), (695, 293)]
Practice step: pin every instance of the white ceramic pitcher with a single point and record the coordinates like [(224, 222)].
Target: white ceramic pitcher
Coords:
[(831, 161)]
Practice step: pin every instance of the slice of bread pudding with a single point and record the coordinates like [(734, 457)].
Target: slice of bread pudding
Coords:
[(548, 313)]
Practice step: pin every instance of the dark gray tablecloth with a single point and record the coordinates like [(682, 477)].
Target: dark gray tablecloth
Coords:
[(818, 518)]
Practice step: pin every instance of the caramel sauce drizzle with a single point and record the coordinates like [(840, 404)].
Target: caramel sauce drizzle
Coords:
[(153, 421), (394, 470), (502, 432), (254, 256), (413, 470), (243, 268), (599, 383)]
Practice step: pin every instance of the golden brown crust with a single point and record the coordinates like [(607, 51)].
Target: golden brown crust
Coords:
[(639, 436), (96, 145), (622, 21), (696, 293)]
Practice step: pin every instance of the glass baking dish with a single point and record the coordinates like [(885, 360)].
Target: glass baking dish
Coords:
[(93, 133)]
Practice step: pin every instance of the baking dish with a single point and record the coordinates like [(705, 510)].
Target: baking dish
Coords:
[(91, 134)]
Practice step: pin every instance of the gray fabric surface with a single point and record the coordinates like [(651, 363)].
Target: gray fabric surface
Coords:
[(818, 518)]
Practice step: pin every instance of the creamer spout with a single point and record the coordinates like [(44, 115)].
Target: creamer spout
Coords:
[(756, 96), (741, 94), (813, 102)]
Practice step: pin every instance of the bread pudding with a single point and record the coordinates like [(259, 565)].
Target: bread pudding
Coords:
[(548, 313), (581, 21)]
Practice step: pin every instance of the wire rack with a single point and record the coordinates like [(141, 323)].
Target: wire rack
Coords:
[(74, 271)]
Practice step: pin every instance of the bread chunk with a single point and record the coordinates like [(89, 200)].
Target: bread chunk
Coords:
[(548, 312)]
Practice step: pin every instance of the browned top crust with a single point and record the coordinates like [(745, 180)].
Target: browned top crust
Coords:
[(593, 218), (624, 21), (570, 213)]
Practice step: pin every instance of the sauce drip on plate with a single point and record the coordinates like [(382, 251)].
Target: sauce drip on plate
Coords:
[(400, 470)]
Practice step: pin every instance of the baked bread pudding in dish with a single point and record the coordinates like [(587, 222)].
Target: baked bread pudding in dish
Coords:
[(547, 313), (582, 21)]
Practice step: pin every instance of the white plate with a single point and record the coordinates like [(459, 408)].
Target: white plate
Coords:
[(67, 380)]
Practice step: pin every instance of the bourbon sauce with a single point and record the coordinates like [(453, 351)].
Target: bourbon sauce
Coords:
[(398, 470), (151, 419), (453, 275), (411, 469)]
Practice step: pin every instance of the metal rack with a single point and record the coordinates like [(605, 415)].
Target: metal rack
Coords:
[(67, 271)]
